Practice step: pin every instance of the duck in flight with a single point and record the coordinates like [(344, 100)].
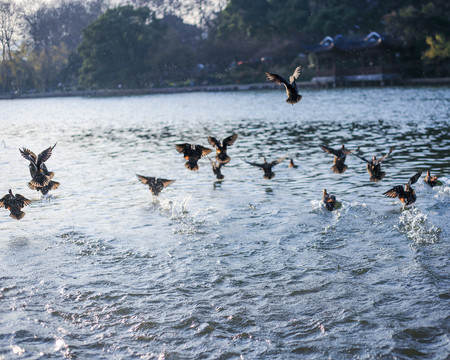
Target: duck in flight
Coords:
[(340, 155), (14, 203), (374, 166), (155, 185), (267, 167), (406, 194), (221, 148), (52, 185), (293, 96), (216, 166), (38, 171), (192, 153)]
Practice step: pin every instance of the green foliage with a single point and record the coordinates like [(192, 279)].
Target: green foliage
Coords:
[(118, 48), (439, 48)]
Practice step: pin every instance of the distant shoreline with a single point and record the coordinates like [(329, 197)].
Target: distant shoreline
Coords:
[(206, 88)]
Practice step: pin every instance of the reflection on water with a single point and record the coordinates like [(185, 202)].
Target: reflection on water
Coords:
[(244, 267)]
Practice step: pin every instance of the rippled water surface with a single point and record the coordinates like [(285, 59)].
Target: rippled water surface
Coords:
[(246, 268)]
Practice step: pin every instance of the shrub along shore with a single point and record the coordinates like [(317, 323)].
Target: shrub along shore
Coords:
[(206, 88)]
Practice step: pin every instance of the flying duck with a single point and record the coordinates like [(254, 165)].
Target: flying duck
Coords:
[(431, 180), (216, 166), (192, 153), (329, 200), (293, 96), (374, 166), (267, 167), (52, 185), (406, 194), (221, 149), (155, 185), (339, 166), (14, 203), (40, 175)]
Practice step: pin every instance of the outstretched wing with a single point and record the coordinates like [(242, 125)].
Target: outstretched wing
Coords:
[(165, 182), (228, 141), (363, 159), (44, 156), (396, 191), (348, 152), (255, 164), (204, 151), (330, 150), (277, 161), (22, 200), (145, 179), (296, 74), (277, 79), (213, 141), (182, 147), (414, 178), (28, 154), (381, 159), (4, 200)]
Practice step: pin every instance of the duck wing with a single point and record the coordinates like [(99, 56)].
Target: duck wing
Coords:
[(181, 148), (331, 151), (29, 155), (363, 159), (5, 201), (277, 79), (381, 159), (277, 161), (22, 200), (346, 151), (262, 166), (414, 178), (396, 191), (214, 142), (44, 156), (298, 70), (164, 182), (203, 150), (228, 141), (145, 179)]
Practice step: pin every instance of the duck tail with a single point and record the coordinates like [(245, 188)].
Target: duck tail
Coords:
[(294, 99), (193, 166), (17, 214)]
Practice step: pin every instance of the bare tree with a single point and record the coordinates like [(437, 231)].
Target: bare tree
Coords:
[(9, 20)]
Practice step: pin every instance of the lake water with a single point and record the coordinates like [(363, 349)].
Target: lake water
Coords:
[(247, 268)]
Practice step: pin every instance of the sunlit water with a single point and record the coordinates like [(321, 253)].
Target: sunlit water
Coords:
[(243, 269)]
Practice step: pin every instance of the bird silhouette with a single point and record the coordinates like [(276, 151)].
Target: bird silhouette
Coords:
[(221, 148), (374, 166), (216, 166), (406, 194), (340, 155), (14, 203), (155, 185), (267, 167), (39, 173), (291, 164), (329, 200), (293, 96), (192, 153)]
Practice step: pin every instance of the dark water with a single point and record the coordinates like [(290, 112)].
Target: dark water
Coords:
[(243, 269)]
